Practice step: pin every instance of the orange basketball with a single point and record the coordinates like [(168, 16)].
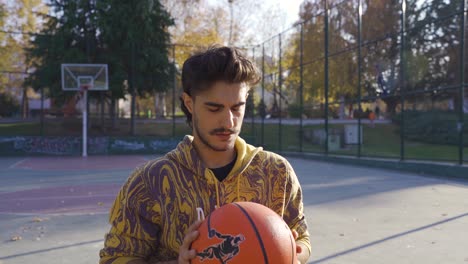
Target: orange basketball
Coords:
[(243, 233)]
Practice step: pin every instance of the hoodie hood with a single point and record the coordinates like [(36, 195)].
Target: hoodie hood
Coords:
[(186, 155)]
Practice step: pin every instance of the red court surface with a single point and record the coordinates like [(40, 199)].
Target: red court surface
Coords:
[(64, 185), (60, 200)]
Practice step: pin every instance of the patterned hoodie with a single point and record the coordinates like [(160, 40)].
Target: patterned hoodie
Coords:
[(159, 201)]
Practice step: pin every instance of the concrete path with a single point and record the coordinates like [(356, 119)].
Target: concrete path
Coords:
[(54, 210)]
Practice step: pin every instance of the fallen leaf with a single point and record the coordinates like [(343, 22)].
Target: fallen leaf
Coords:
[(16, 238), (37, 219)]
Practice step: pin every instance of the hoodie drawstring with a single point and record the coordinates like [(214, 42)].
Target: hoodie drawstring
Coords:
[(217, 194), (238, 188)]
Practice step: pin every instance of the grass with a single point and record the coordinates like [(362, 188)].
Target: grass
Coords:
[(383, 140)]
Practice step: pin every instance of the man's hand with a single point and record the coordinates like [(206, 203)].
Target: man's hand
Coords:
[(185, 253), (302, 255)]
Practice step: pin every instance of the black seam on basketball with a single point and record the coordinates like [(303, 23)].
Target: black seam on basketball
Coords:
[(259, 238), (209, 225)]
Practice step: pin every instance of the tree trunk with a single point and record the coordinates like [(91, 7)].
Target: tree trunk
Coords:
[(25, 104), (160, 104), (112, 113), (102, 101)]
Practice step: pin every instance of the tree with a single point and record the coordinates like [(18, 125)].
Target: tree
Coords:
[(134, 44), (17, 20), (4, 55), (8, 105), (381, 51)]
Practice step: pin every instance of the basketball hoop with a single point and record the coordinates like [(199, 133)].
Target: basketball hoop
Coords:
[(83, 88), (82, 78), (80, 100)]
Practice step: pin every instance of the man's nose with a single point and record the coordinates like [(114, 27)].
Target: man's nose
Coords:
[(228, 120)]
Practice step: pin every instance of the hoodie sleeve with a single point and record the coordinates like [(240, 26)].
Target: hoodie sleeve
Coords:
[(133, 218), (294, 211)]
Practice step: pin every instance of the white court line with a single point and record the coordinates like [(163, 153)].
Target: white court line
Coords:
[(13, 166)]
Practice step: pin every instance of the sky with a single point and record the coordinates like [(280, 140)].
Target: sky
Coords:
[(290, 6), (289, 14)]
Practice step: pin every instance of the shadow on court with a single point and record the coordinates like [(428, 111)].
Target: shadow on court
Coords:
[(368, 215), (396, 236), (54, 210), (50, 249)]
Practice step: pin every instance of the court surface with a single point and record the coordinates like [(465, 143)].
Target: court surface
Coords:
[(54, 210)]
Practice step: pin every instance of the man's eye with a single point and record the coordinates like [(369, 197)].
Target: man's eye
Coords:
[(237, 108), (213, 109)]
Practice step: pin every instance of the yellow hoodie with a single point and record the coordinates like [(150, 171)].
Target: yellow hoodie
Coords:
[(159, 201)]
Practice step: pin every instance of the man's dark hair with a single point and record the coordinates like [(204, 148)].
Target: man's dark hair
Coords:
[(218, 63)]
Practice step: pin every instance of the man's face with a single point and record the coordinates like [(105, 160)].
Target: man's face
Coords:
[(217, 115)]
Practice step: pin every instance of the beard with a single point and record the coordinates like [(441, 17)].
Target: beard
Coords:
[(204, 138)]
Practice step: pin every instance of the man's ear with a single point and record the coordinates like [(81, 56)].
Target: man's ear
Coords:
[(188, 102)]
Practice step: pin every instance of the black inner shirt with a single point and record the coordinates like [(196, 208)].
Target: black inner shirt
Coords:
[(222, 172)]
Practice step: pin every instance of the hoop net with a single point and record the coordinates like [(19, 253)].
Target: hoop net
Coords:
[(80, 102), (84, 87)]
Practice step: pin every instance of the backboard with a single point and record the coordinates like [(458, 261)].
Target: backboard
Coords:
[(92, 76)]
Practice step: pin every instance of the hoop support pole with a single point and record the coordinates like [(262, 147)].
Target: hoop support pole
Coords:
[(85, 123)]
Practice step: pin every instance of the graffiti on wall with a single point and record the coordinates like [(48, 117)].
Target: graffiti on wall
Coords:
[(47, 145), (73, 145)]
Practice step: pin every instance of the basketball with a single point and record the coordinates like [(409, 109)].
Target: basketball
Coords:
[(244, 232)]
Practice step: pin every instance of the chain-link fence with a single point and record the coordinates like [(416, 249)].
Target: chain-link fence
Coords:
[(360, 78), (367, 78)]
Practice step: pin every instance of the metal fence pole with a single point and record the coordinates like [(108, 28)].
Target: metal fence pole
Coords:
[(327, 11), (461, 120), (301, 88), (252, 99), (402, 78), (263, 105), (280, 84), (359, 76), (42, 110), (174, 91), (132, 88)]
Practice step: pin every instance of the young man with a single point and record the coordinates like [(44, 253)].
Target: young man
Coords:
[(154, 217)]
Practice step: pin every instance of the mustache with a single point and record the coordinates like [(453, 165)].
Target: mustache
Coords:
[(222, 130)]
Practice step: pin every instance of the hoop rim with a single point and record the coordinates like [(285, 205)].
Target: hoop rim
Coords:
[(85, 87)]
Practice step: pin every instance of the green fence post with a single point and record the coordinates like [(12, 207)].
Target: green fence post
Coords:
[(174, 91), (461, 120), (42, 110), (280, 84), (252, 98), (359, 76), (327, 11), (132, 88), (402, 78), (263, 95), (301, 88)]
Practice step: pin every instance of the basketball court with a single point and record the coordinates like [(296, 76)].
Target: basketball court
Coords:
[(54, 210)]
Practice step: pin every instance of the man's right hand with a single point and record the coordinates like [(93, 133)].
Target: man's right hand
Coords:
[(185, 253)]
